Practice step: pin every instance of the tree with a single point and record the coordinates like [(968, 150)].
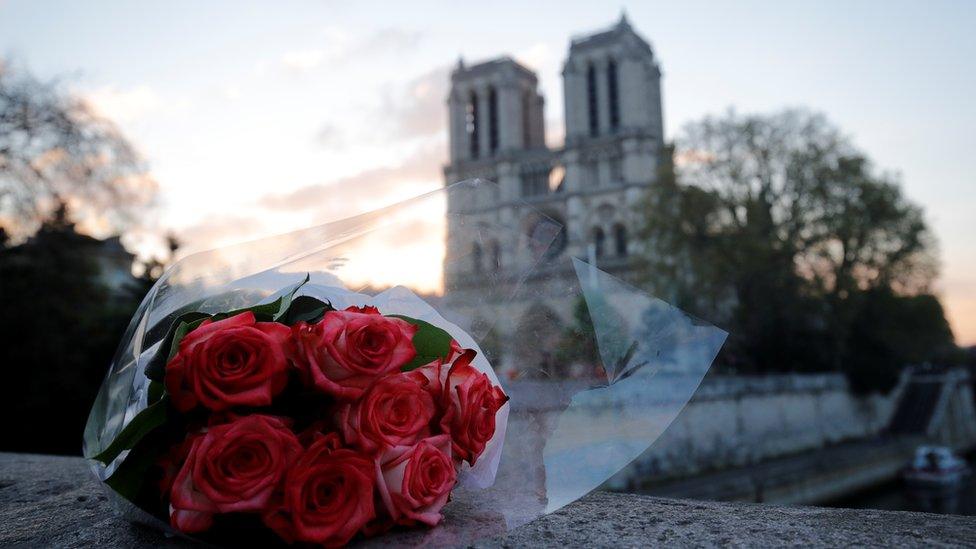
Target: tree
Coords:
[(892, 329), (59, 326), (60, 164), (577, 344), (54, 147), (775, 226), (597, 338), (151, 269)]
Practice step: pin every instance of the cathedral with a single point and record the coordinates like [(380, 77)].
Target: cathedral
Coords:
[(590, 186)]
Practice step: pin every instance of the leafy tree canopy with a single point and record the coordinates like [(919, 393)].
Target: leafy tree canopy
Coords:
[(54, 147), (778, 228)]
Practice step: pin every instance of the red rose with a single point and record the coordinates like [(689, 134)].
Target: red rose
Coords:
[(395, 411), (415, 482), (233, 467), (347, 350), (471, 402), (436, 372), (231, 362), (327, 495)]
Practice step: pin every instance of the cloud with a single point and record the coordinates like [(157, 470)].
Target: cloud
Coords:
[(390, 39), (337, 45), (123, 105), (303, 60), (415, 231), (414, 242), (366, 190), (536, 57), (419, 108), (415, 109), (330, 137), (217, 231)]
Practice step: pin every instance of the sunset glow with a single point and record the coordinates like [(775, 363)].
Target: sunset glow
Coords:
[(257, 120)]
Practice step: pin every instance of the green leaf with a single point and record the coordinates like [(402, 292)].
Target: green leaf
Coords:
[(430, 342), (306, 308), (156, 391), (181, 331), (268, 312), (140, 426), (156, 368), (130, 475), (287, 298), (262, 313)]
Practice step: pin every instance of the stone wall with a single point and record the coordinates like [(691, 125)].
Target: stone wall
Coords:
[(742, 420), (50, 501)]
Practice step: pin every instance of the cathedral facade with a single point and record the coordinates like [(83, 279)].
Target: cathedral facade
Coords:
[(591, 185)]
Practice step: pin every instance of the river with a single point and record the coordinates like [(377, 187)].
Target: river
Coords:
[(896, 496)]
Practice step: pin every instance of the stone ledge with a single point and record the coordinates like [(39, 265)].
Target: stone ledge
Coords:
[(50, 501)]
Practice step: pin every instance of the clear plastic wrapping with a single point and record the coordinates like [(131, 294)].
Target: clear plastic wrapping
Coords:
[(595, 368)]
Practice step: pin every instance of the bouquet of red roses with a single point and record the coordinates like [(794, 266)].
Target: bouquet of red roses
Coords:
[(250, 403), (318, 423)]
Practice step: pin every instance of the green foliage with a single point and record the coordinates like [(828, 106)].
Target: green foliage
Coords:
[(271, 311), (140, 426), (608, 347), (431, 343), (156, 368), (893, 329), (306, 309), (578, 341), (132, 474), (156, 391), (778, 229)]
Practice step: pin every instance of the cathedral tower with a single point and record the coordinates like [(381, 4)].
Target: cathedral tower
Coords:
[(612, 86), (495, 109), (592, 185)]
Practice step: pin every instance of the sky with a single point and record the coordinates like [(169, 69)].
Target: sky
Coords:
[(260, 118)]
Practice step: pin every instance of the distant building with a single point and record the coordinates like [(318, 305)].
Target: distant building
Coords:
[(114, 264), (113, 261), (614, 139)]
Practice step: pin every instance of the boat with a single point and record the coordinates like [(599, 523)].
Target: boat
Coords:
[(935, 467)]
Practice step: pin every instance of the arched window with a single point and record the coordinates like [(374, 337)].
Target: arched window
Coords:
[(591, 103), (598, 242), (496, 256), (620, 240), (492, 120), (526, 120), (614, 98), (472, 125), (476, 258)]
